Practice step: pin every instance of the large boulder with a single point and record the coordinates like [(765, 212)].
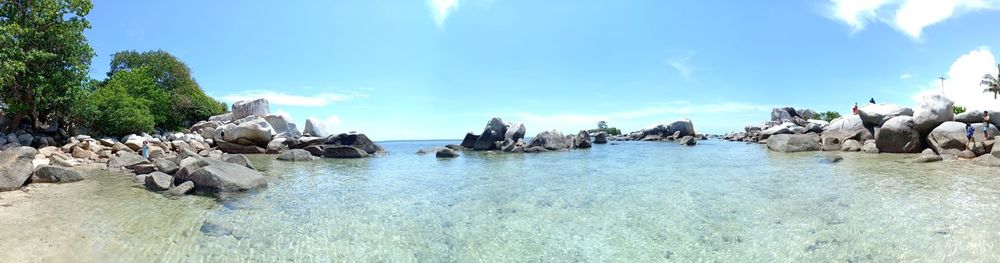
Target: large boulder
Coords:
[(315, 128), (899, 135), (932, 111), (582, 140), (851, 145), (928, 156), (783, 128), (221, 177), (296, 155), (785, 114), (237, 148), (794, 142), (166, 166), (240, 160), (158, 181), (550, 140), (687, 140), (515, 132), (874, 115), (869, 147), (258, 107), (342, 151), (601, 138), (225, 117), (846, 128), (446, 153), (54, 174), (976, 116), (979, 136), (277, 145), (494, 132), (681, 128), (16, 167), (283, 125), (807, 114), (948, 138), (356, 140), (254, 131), (126, 160), (470, 140), (181, 189)]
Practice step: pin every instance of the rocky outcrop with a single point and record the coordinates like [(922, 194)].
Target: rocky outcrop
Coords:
[(874, 115), (869, 147), (254, 131), (258, 107), (687, 140), (601, 138), (675, 130), (237, 148), (356, 140), (932, 111), (15, 167), (785, 114), (948, 138), (928, 156), (582, 140), (283, 126), (341, 151), (783, 128), (550, 140), (851, 145), (221, 177), (794, 142), (515, 132), (470, 140), (446, 153), (315, 128), (899, 135), (842, 129), (976, 116), (494, 132), (239, 159), (53, 174), (158, 181), (296, 155), (165, 166)]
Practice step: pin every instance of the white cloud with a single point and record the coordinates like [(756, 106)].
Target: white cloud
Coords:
[(441, 8), (639, 117), (280, 98), (332, 123), (683, 66), (283, 113), (908, 16), (962, 83), (906, 76)]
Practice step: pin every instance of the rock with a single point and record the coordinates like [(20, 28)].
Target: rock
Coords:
[(253, 131), (976, 116), (851, 146), (688, 140), (535, 149), (582, 140), (515, 132), (53, 174), (121, 147), (143, 168), (494, 132), (315, 150), (967, 154), (987, 160), (446, 153), (470, 140), (356, 140), (932, 110), (601, 138), (454, 147), (421, 152), (296, 155), (948, 138), (62, 161), (166, 166), (225, 117), (794, 142), (181, 189), (283, 125), (258, 107), (874, 115), (83, 154), (832, 159), (869, 147), (158, 181), (898, 135), (236, 148), (303, 142), (25, 139), (315, 128), (928, 156), (784, 114), (10, 145), (979, 148), (277, 145), (807, 113), (550, 140), (846, 128), (126, 160), (978, 135), (221, 177), (49, 151), (240, 160), (684, 126), (340, 151), (784, 128)]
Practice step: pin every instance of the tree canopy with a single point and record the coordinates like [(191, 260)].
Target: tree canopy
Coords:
[(44, 55)]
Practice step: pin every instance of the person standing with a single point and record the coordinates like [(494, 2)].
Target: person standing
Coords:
[(145, 149), (969, 132), (872, 101), (986, 125), (855, 109)]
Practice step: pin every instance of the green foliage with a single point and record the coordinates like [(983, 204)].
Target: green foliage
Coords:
[(992, 83), (44, 56), (828, 116), (957, 109), (603, 126), (185, 101), (114, 110)]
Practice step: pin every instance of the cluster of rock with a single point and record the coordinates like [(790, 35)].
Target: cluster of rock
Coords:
[(785, 120), (201, 158), (681, 131), (931, 129)]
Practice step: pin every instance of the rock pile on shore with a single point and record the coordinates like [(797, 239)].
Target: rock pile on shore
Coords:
[(931, 129), (207, 157)]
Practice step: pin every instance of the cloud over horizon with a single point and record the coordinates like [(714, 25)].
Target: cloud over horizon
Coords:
[(908, 16), (281, 98), (441, 8), (962, 83)]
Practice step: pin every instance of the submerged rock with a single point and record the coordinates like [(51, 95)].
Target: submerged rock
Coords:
[(446, 153), (296, 155), (181, 189), (341, 151)]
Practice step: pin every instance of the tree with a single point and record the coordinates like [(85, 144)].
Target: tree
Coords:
[(992, 83), (114, 110), (957, 109), (44, 56), (829, 115), (186, 102), (602, 125)]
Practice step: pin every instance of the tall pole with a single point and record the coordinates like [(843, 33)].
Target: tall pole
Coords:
[(942, 85)]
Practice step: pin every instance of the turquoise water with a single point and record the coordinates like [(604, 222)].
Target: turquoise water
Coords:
[(633, 202)]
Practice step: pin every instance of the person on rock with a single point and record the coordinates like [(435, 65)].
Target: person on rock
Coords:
[(855, 109), (871, 101), (145, 149), (969, 132), (986, 125)]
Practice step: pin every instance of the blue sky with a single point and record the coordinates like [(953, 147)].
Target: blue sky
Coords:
[(437, 69)]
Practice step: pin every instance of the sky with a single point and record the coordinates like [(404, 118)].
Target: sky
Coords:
[(437, 69)]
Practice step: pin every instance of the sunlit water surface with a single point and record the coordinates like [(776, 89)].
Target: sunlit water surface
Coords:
[(635, 202)]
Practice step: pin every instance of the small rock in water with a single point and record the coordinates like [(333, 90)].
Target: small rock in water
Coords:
[(446, 153), (217, 230), (832, 159)]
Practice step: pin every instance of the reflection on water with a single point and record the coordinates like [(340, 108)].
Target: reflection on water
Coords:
[(636, 201)]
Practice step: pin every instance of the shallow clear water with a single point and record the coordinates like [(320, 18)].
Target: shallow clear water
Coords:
[(636, 202)]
